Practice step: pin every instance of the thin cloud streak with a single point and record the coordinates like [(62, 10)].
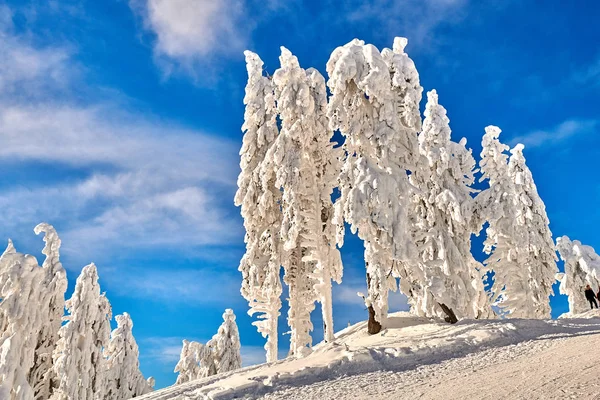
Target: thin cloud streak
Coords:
[(557, 134)]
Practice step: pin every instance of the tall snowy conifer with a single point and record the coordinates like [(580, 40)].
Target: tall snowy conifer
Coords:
[(31, 311), (582, 267), (442, 226), (368, 108), (124, 378), (52, 305), (79, 364), (225, 345), (519, 240), (20, 322), (304, 161), (260, 206)]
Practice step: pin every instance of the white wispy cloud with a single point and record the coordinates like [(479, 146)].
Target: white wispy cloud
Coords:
[(177, 286), (557, 134), (136, 180), (589, 75), (415, 19), (192, 31)]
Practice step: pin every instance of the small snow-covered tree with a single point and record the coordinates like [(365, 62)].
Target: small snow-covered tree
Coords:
[(582, 267), (367, 106), (187, 367), (195, 362), (225, 345), (52, 306), (452, 286), (124, 378), (205, 357), (260, 206), (20, 322), (519, 241), (31, 310), (79, 364), (304, 160)]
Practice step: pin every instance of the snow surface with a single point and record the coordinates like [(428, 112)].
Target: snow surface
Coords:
[(415, 355)]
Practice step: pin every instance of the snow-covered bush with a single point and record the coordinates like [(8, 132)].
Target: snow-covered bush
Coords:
[(196, 361), (225, 345), (582, 267), (124, 378), (79, 364)]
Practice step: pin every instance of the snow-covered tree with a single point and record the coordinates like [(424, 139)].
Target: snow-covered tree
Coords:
[(452, 286), (31, 310), (225, 345), (195, 361), (519, 241), (124, 378), (20, 322), (79, 364), (205, 357), (304, 161), (582, 267), (260, 206), (368, 108), (52, 307), (187, 367)]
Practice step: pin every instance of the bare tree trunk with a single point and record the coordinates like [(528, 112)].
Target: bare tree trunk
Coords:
[(450, 316), (373, 326)]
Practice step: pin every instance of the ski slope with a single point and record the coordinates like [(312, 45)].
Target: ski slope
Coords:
[(415, 357)]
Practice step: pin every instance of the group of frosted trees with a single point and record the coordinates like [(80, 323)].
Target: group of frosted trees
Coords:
[(400, 183), (220, 354), (43, 358)]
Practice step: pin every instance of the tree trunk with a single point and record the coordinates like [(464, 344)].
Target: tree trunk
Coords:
[(373, 326), (450, 316)]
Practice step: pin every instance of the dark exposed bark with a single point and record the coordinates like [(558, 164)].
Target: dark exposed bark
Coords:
[(373, 326), (450, 316)]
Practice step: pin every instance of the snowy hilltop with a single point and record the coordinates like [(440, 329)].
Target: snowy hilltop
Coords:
[(415, 357)]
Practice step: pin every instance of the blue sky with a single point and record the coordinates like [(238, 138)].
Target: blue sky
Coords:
[(120, 125)]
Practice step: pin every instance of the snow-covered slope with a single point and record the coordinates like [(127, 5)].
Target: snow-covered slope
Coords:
[(410, 348)]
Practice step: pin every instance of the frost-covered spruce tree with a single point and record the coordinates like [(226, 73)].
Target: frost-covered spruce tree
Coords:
[(259, 200), (20, 322), (79, 364), (225, 345), (196, 361), (582, 267), (31, 311), (124, 378), (379, 148), (519, 240), (452, 286), (187, 366), (52, 307), (304, 160), (205, 357)]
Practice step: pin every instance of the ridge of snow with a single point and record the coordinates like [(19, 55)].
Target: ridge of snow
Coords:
[(407, 343)]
